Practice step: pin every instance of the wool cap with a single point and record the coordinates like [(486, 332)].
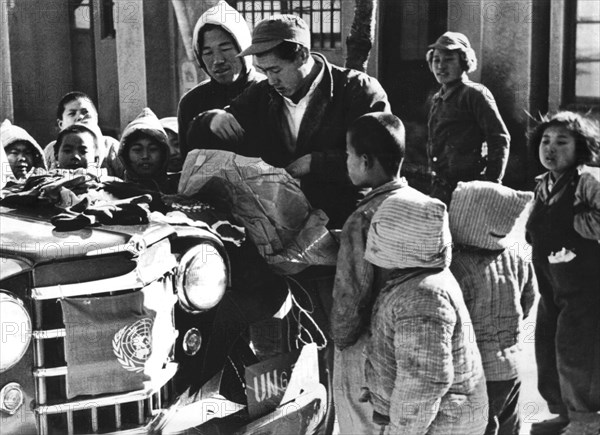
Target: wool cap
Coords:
[(483, 214), (409, 230), (276, 29)]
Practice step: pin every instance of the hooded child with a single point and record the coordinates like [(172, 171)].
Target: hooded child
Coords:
[(23, 153), (422, 368), (490, 262), (144, 152), (221, 33)]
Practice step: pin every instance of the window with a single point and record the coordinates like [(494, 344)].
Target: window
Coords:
[(81, 15), (583, 86), (322, 16)]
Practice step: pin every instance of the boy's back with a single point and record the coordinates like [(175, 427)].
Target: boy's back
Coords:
[(499, 290), (498, 285)]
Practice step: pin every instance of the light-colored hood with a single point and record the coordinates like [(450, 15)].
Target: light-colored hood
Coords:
[(232, 22), (11, 133), (148, 123), (410, 230), (483, 214)]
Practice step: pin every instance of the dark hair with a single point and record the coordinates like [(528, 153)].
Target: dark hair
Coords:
[(75, 129), (466, 58), (584, 129), (72, 96), (380, 136), (285, 51)]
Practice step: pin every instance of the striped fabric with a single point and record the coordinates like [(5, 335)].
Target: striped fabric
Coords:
[(483, 214), (409, 230)]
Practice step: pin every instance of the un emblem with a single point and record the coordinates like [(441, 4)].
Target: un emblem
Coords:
[(132, 345)]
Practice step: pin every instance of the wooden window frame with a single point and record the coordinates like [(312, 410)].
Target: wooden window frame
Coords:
[(323, 40), (570, 99)]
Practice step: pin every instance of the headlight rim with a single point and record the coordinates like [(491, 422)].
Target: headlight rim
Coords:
[(5, 294), (184, 263)]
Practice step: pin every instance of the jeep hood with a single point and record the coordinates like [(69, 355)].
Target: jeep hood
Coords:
[(27, 236)]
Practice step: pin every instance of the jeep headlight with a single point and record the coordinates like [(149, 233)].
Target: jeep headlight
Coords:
[(201, 278), (16, 330)]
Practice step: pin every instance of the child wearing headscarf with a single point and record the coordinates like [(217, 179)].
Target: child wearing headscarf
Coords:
[(144, 152), (23, 153), (422, 368), (498, 284)]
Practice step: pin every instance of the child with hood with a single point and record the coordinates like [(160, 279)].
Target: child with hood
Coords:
[(221, 33), (23, 153), (422, 368), (144, 152), (499, 287)]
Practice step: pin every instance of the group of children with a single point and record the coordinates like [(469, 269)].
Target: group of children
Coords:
[(418, 275), (431, 291), (416, 281), (147, 154)]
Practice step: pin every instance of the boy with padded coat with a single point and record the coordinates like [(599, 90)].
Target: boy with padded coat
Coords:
[(499, 286), (422, 368)]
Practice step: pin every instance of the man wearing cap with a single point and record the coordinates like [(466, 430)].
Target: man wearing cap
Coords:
[(297, 118), (221, 33), (463, 116)]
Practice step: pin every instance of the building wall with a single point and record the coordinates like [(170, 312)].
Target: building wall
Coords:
[(40, 60)]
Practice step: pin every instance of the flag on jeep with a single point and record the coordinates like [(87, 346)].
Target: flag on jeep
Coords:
[(108, 341)]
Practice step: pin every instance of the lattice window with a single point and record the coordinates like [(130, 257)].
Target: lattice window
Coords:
[(324, 17), (584, 67)]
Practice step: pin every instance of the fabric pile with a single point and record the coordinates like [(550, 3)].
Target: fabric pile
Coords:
[(289, 234)]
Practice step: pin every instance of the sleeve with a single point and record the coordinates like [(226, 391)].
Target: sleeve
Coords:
[(364, 95), (244, 106), (587, 207), (424, 365), (353, 286), (183, 123), (495, 133), (529, 287)]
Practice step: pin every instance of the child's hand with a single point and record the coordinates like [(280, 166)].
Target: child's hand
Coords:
[(562, 256)]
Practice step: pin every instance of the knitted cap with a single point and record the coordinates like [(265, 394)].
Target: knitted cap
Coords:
[(483, 214), (408, 230)]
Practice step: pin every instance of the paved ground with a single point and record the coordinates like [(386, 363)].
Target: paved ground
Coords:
[(533, 408)]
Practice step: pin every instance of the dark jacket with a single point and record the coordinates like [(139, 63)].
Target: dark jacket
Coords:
[(210, 94), (342, 96), (206, 96), (460, 120)]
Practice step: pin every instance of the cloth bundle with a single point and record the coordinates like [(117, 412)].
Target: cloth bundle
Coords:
[(59, 187), (131, 211), (268, 202)]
